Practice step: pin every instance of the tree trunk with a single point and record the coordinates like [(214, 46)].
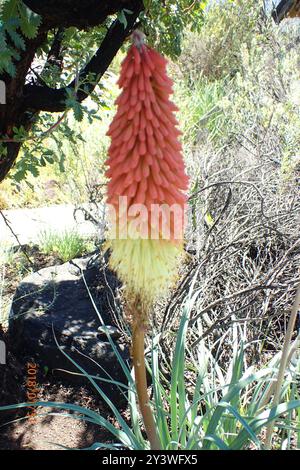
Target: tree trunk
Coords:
[(7, 162)]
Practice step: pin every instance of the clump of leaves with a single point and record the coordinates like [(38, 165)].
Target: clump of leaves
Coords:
[(165, 23), (66, 245), (17, 23)]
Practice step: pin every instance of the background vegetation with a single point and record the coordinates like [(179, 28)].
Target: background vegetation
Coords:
[(238, 90)]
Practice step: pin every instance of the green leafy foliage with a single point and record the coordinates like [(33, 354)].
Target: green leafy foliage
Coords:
[(122, 17), (165, 22), (29, 21), (7, 52), (67, 245), (35, 153), (16, 23), (77, 107)]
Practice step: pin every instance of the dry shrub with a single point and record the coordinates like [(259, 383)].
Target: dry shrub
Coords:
[(215, 52), (244, 232)]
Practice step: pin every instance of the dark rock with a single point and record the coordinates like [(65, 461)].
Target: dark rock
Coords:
[(11, 379), (55, 302)]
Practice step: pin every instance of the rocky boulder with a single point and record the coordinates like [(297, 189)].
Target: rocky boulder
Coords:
[(55, 302)]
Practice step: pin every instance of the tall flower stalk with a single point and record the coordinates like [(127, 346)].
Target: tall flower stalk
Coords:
[(146, 197), (284, 360)]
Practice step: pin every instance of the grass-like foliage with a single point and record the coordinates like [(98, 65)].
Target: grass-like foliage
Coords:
[(197, 404), (66, 245)]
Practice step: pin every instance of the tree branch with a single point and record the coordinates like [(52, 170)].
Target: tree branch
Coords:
[(43, 98), (55, 55), (79, 13), (282, 9)]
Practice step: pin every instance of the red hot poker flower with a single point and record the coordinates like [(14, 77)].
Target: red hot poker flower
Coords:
[(147, 175)]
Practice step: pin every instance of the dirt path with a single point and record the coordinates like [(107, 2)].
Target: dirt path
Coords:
[(50, 434), (28, 224)]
